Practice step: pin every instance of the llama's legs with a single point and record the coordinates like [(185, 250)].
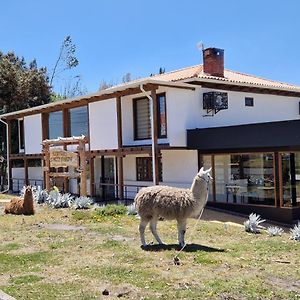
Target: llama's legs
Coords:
[(153, 224), (142, 228), (181, 227)]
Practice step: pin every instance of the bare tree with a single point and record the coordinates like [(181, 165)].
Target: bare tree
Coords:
[(66, 59)]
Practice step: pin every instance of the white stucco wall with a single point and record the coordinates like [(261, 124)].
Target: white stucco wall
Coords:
[(18, 173), (35, 172), (179, 167), (183, 107), (267, 108), (33, 134), (103, 125)]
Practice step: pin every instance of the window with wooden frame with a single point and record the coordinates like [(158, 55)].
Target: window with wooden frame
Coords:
[(144, 169), (55, 124), (78, 121), (142, 120)]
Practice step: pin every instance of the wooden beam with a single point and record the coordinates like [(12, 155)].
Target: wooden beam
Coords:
[(276, 179), (83, 174), (66, 133), (64, 175), (92, 176), (47, 167), (45, 126), (26, 171), (155, 160)]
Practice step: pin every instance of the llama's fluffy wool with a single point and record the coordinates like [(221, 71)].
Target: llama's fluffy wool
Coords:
[(171, 203), (19, 206), (167, 202)]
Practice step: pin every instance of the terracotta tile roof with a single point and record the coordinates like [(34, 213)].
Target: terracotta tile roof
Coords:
[(229, 77)]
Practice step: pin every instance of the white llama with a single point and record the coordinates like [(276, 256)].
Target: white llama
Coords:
[(172, 204)]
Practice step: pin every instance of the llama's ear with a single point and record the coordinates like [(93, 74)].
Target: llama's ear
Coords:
[(201, 170), (208, 171)]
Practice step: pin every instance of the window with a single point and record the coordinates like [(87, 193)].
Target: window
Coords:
[(78, 121), (34, 162), (56, 125), (162, 116), (21, 135), (142, 121), (249, 101), (246, 178), (144, 169)]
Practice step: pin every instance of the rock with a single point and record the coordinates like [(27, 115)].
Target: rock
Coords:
[(105, 292)]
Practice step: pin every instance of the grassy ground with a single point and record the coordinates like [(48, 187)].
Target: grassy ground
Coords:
[(67, 254)]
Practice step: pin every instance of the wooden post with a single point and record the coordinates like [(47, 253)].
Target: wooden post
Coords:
[(66, 132), (47, 166), (155, 159), (120, 145), (276, 179), (92, 176), (9, 153), (83, 173), (26, 171)]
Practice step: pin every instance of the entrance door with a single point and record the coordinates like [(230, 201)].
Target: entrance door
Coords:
[(108, 178)]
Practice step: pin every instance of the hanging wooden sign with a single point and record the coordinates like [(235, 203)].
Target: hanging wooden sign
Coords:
[(63, 158)]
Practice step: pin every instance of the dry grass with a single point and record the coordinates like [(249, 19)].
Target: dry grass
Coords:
[(81, 254)]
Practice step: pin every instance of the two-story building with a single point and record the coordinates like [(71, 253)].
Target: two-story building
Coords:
[(162, 129)]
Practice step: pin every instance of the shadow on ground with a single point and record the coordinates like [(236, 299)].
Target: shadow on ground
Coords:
[(188, 248)]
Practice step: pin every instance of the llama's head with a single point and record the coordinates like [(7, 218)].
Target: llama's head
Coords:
[(205, 175), (28, 191)]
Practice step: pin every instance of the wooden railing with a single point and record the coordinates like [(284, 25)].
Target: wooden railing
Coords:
[(109, 191), (18, 183)]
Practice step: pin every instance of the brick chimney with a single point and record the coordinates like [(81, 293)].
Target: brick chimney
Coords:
[(213, 62)]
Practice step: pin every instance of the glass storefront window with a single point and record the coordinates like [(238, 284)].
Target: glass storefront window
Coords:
[(207, 164), (290, 165), (245, 178)]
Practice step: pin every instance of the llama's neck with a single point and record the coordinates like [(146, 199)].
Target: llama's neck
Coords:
[(199, 190), (28, 199)]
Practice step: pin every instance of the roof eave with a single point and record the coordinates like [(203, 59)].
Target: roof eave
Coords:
[(242, 84), (107, 92)]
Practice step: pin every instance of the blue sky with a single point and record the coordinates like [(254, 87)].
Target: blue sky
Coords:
[(114, 37)]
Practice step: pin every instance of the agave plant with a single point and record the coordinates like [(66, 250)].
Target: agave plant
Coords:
[(131, 210), (82, 202), (40, 195), (252, 224), (274, 231), (58, 200), (295, 232)]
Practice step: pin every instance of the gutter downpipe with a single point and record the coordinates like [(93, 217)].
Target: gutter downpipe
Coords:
[(7, 158), (152, 132)]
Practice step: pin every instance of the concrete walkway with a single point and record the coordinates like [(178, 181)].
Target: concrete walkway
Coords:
[(4, 296)]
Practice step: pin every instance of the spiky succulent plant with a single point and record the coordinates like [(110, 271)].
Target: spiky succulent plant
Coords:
[(295, 232), (40, 195), (82, 202), (58, 200), (274, 231), (131, 210), (252, 224)]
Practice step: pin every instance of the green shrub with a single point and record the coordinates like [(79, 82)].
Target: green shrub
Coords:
[(111, 210)]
